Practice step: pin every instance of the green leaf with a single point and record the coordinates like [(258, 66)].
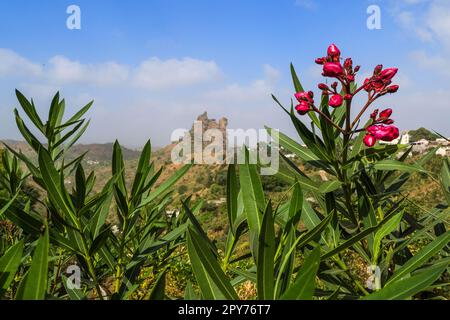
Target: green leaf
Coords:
[(304, 285), (385, 230), (210, 277), (421, 257), (232, 194), (405, 288), (74, 294), (99, 241), (266, 255), (30, 110), (390, 165), (165, 185), (295, 205), (26, 133), (159, 289), (52, 180), (141, 171), (302, 152), (330, 186), (118, 168), (253, 194), (34, 285), (7, 205), (300, 242), (445, 178), (189, 293), (9, 263), (80, 113)]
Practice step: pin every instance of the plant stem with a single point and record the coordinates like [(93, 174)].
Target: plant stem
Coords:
[(327, 119), (349, 273)]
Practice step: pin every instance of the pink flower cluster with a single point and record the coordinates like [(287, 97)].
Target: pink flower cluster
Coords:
[(381, 80), (381, 128), (305, 99), (379, 84)]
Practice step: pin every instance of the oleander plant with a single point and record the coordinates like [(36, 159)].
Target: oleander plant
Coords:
[(350, 236)]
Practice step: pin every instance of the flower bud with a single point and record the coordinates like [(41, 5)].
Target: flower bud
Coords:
[(334, 52), (357, 68), (336, 100), (387, 74), (392, 89), (374, 114), (386, 113), (348, 97), (323, 86), (350, 78), (369, 140), (320, 60), (332, 69), (368, 85), (388, 121), (334, 85), (305, 97), (348, 63), (377, 69), (302, 108)]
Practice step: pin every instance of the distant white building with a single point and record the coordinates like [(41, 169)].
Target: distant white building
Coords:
[(443, 152), (420, 146), (442, 142)]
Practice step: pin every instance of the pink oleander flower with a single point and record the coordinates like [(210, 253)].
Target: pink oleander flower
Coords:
[(323, 86), (334, 53), (348, 63), (392, 89), (369, 140), (377, 69), (374, 114), (320, 60), (332, 69), (386, 113), (382, 132), (336, 100), (302, 108), (305, 96), (387, 74)]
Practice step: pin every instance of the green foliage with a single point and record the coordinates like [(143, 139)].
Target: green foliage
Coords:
[(75, 221), (422, 133)]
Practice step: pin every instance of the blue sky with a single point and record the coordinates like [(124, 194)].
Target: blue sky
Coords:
[(153, 66)]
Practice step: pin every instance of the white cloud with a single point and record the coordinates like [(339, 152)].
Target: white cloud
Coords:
[(12, 64), (152, 73), (429, 21), (65, 71), (436, 62), (438, 22), (307, 4), (258, 90), (158, 74)]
